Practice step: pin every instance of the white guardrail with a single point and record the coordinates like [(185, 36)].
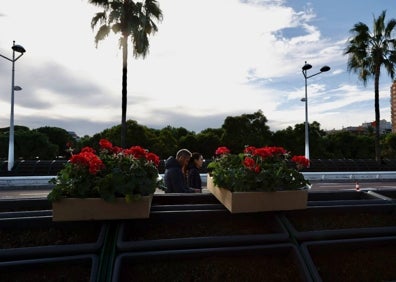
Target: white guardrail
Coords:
[(350, 175), (21, 181)]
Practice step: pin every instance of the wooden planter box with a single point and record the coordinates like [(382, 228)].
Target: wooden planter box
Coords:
[(243, 202), (74, 209), (277, 262), (364, 259)]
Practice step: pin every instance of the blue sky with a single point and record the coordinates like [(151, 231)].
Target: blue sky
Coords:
[(210, 59)]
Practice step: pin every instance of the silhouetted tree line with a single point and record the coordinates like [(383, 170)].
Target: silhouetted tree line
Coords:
[(47, 143)]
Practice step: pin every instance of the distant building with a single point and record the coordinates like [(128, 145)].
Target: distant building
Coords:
[(393, 106), (385, 127), (356, 129)]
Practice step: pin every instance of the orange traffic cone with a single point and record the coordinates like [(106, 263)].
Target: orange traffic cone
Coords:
[(357, 186)]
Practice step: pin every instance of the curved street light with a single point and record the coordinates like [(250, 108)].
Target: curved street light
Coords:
[(305, 68), (19, 49)]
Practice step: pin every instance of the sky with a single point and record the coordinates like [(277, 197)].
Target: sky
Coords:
[(209, 59)]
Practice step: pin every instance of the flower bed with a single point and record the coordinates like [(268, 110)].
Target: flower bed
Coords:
[(70, 268), (113, 173), (40, 237), (194, 229), (341, 222), (250, 181), (368, 259), (265, 169), (280, 262)]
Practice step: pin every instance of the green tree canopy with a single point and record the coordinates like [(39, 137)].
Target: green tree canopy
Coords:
[(247, 129), (59, 137)]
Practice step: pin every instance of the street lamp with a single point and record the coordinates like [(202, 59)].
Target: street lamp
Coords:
[(305, 68), (19, 49)]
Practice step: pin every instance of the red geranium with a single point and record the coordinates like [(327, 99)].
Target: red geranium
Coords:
[(301, 161), (222, 151), (257, 169), (111, 173), (88, 159)]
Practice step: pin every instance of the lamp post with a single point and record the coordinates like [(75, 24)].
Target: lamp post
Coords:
[(305, 68), (19, 49)]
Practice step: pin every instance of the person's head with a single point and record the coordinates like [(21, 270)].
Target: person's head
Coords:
[(183, 156), (196, 159)]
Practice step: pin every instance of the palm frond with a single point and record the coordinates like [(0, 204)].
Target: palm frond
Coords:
[(102, 33), (116, 28), (390, 28), (101, 3), (99, 17)]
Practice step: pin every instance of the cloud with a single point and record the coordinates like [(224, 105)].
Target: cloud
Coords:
[(210, 59)]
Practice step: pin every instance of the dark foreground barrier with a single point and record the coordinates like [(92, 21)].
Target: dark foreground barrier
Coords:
[(190, 240)]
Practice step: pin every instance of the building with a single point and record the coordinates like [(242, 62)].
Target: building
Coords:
[(393, 106), (385, 126), (364, 128)]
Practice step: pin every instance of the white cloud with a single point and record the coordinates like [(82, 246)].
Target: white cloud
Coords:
[(209, 59)]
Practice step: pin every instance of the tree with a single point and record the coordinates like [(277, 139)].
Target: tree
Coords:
[(133, 20), (347, 145), (292, 139), (29, 144), (59, 137), (390, 145), (368, 52), (208, 141), (33, 144), (247, 129)]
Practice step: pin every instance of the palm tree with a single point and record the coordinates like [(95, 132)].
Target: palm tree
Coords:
[(368, 52), (132, 19)]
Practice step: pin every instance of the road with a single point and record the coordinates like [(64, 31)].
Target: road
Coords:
[(350, 185)]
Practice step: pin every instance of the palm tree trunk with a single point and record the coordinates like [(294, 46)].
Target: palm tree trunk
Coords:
[(377, 117), (124, 90)]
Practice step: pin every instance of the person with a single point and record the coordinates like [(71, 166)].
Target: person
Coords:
[(194, 177), (174, 178)]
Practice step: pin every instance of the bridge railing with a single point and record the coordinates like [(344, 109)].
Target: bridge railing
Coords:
[(320, 169)]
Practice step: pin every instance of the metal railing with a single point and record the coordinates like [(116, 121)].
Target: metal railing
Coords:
[(14, 181)]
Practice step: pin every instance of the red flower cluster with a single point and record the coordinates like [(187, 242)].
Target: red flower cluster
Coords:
[(265, 152), (253, 156), (258, 169), (301, 161), (251, 164), (222, 151), (106, 145), (87, 158), (134, 151), (110, 173)]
